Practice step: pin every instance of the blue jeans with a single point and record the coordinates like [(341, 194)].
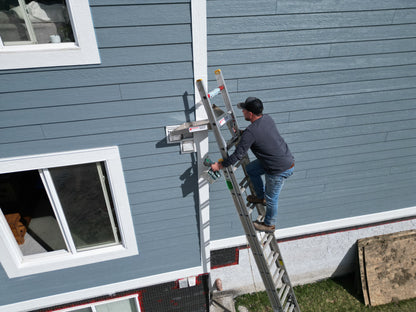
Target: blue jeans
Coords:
[(274, 184)]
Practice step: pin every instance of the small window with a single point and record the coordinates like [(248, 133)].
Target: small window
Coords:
[(67, 210), (35, 22), (46, 33), (123, 304)]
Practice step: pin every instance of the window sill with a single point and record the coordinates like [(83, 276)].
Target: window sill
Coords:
[(61, 260), (47, 55)]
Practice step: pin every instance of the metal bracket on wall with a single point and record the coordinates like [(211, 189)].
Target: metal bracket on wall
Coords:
[(184, 134)]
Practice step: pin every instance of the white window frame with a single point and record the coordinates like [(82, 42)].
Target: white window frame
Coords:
[(94, 304), (11, 257), (83, 51)]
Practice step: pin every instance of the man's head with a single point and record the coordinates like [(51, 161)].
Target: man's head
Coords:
[(252, 108), (253, 105)]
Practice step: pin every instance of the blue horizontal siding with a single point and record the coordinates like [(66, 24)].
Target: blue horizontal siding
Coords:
[(96, 3), (48, 97), (276, 22), (318, 65), (339, 80), (91, 111), (141, 15), (167, 53), (144, 82), (310, 36), (266, 7), (141, 36), (97, 76)]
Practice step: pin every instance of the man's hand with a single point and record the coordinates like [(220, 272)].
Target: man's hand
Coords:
[(216, 166)]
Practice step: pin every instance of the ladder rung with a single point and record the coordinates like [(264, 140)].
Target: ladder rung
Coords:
[(244, 185), (276, 255), (264, 238), (239, 163), (289, 307), (282, 289), (260, 218), (215, 92), (243, 161), (224, 119), (244, 182), (267, 243), (233, 141), (277, 276), (250, 205), (283, 298)]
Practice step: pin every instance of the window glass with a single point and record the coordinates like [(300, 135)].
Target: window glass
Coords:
[(39, 209), (29, 214), (86, 202), (83, 310), (34, 22), (118, 306)]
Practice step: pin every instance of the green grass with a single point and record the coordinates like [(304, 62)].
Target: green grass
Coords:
[(340, 295)]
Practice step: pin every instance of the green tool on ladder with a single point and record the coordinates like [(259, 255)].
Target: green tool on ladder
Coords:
[(263, 245)]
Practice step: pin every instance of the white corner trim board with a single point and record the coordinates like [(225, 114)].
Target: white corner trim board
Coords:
[(200, 61)]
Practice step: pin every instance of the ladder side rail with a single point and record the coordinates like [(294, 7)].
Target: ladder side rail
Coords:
[(258, 248), (251, 235), (224, 92), (285, 279), (234, 129), (211, 117)]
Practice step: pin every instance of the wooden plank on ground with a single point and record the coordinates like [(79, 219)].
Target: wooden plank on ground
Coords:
[(387, 267)]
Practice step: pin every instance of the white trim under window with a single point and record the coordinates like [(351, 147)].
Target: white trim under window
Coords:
[(107, 170), (82, 51)]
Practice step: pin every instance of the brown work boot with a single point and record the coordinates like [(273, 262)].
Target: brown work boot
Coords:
[(262, 227), (255, 200)]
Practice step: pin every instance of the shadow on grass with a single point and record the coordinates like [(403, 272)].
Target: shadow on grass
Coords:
[(352, 284)]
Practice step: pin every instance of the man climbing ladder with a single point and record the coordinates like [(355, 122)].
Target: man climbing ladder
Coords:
[(274, 160), (263, 243)]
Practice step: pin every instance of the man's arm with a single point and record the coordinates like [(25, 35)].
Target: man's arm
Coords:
[(246, 141)]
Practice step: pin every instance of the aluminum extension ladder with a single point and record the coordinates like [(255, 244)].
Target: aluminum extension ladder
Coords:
[(263, 245)]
